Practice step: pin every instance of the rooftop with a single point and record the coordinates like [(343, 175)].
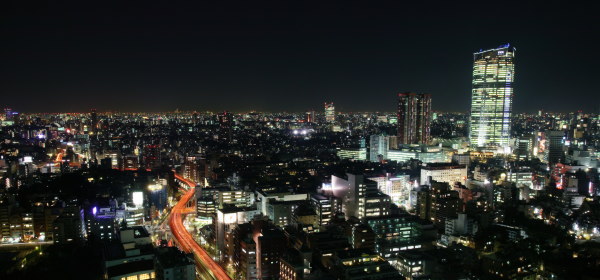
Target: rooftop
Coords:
[(171, 257), (130, 268)]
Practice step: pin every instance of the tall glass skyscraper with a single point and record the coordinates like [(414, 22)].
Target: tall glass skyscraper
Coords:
[(491, 102), (329, 112)]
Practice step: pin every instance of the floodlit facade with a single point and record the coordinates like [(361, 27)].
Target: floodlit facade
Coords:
[(398, 187), (360, 197), (379, 145), (352, 153), (395, 234), (323, 207), (448, 173), (492, 93)]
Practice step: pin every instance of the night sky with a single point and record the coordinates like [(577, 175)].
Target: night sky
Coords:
[(289, 55)]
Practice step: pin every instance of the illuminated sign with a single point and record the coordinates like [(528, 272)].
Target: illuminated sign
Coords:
[(138, 198)]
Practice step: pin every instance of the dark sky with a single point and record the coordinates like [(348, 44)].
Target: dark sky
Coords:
[(289, 55)]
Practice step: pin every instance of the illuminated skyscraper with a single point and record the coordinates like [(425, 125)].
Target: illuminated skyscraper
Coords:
[(329, 112), (491, 102), (414, 118)]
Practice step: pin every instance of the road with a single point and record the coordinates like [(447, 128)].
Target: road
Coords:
[(204, 263), (29, 244)]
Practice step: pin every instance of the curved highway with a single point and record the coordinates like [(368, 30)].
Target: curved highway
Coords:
[(185, 240)]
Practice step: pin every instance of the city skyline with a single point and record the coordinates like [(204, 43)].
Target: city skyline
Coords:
[(285, 58), (291, 140)]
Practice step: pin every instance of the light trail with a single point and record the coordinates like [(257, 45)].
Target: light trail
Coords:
[(185, 239), (59, 156)]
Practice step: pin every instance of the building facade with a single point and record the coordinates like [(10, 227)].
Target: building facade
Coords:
[(414, 118), (440, 172), (329, 112), (492, 93)]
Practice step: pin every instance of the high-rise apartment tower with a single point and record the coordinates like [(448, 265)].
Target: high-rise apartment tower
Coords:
[(414, 118)]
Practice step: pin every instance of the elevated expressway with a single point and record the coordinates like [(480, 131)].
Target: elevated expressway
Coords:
[(207, 268)]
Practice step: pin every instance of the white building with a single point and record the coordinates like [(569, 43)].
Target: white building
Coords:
[(379, 145), (262, 199), (352, 153), (360, 198), (227, 219), (398, 187), (449, 173)]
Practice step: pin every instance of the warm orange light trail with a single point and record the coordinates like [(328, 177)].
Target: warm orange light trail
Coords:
[(59, 156), (185, 239)]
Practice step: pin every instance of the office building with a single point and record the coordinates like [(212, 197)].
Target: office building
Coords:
[(444, 203), (394, 234), (361, 264), (305, 218), (360, 197), (101, 224), (280, 212), (444, 172), (295, 265), (492, 94), (172, 264), (408, 154), (323, 206), (352, 153), (462, 225), (244, 258), (195, 168), (379, 145), (226, 220), (225, 195), (524, 147), (556, 153), (414, 264), (132, 258), (69, 226), (398, 187), (362, 236), (205, 209), (257, 249), (265, 197), (157, 195), (329, 112)]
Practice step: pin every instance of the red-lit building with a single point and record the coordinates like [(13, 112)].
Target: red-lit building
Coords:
[(152, 156)]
